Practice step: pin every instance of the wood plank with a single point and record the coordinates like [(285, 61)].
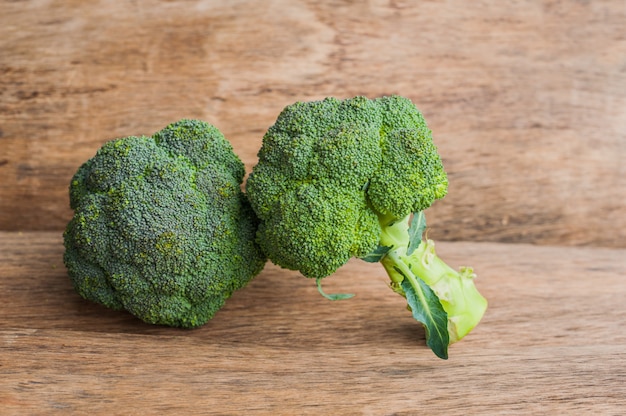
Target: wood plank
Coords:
[(551, 342), (526, 100)]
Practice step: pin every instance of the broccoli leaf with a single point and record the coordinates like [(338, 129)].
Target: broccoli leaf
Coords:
[(376, 255), (334, 296), (427, 309), (416, 229)]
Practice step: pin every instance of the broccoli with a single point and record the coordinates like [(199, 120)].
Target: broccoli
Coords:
[(161, 226), (338, 179)]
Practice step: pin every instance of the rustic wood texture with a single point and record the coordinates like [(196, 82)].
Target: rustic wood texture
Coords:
[(527, 99), (552, 342), (527, 102)]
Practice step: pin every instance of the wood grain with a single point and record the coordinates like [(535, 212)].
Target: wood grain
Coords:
[(552, 342), (527, 100)]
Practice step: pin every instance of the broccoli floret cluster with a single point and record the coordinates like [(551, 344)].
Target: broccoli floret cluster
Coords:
[(161, 227), (329, 170)]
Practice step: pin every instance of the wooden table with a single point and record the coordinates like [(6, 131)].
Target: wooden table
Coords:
[(552, 342), (526, 101)]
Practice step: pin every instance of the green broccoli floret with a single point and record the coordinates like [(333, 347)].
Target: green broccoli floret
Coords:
[(338, 179), (161, 227)]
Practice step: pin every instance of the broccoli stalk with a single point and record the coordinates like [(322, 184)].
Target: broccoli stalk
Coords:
[(443, 299)]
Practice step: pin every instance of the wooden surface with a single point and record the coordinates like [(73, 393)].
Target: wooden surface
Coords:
[(527, 102), (552, 342), (527, 99)]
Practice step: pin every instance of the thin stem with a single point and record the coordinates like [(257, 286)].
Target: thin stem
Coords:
[(455, 290)]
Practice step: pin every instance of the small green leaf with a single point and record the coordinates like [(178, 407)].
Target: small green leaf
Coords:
[(416, 229), (427, 309), (376, 255), (334, 296)]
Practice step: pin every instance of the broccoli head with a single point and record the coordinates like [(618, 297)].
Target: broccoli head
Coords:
[(161, 227), (338, 179)]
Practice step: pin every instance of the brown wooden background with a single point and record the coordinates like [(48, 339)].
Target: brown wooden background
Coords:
[(527, 99), (527, 102)]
